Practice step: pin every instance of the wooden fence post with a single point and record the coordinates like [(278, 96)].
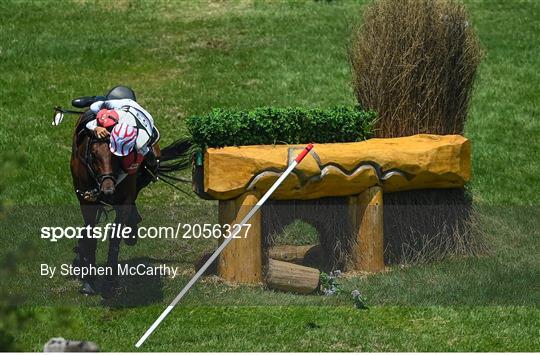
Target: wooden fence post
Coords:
[(241, 260), (366, 218)]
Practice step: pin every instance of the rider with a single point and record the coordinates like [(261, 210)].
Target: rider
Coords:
[(134, 119)]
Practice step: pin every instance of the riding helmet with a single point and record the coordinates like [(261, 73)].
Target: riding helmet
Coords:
[(107, 118), (121, 92)]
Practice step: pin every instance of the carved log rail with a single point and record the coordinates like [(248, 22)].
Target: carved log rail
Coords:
[(339, 169)]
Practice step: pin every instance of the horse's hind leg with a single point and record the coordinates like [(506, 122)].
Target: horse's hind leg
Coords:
[(86, 249)]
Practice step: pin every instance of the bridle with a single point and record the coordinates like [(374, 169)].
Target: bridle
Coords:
[(89, 163)]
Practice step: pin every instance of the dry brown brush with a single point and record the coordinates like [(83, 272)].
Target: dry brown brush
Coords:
[(428, 225), (414, 62)]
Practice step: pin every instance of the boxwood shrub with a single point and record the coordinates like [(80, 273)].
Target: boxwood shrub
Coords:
[(270, 125)]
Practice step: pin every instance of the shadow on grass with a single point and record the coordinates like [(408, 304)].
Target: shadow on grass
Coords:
[(138, 290)]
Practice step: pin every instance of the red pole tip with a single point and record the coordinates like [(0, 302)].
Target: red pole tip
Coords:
[(304, 153)]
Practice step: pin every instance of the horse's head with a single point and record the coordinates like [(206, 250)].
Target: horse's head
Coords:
[(103, 164)]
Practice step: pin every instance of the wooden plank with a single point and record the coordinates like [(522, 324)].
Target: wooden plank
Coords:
[(366, 218), (340, 169), (241, 260), (285, 276)]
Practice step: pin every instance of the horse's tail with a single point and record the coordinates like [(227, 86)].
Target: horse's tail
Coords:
[(178, 156)]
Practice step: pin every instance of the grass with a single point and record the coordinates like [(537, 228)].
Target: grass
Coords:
[(187, 58), (315, 329)]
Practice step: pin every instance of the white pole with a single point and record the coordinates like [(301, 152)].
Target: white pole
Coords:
[(223, 245)]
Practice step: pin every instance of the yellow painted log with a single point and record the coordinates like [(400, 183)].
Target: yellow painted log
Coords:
[(340, 169)]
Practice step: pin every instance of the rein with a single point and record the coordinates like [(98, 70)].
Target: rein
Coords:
[(160, 177)]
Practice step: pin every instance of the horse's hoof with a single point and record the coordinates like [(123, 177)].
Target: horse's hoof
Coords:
[(109, 289), (88, 288), (130, 241)]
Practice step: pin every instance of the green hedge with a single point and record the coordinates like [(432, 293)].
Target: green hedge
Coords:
[(269, 125)]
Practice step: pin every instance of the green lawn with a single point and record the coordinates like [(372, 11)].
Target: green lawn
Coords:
[(186, 58)]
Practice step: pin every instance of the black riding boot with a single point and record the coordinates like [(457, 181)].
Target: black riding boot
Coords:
[(149, 170), (151, 161)]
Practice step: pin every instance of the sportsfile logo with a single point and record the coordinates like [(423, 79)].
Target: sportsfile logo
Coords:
[(113, 230)]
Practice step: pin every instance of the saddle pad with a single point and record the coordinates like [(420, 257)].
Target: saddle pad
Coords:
[(131, 162)]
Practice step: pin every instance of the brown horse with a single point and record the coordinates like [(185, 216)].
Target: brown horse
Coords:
[(99, 180)]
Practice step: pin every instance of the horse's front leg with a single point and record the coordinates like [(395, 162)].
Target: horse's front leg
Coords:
[(86, 249), (125, 218), (110, 282), (128, 214)]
